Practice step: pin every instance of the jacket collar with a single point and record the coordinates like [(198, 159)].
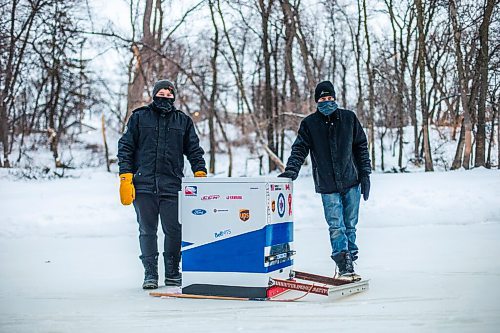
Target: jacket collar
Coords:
[(334, 116)]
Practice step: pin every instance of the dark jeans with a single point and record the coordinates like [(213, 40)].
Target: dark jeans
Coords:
[(148, 207)]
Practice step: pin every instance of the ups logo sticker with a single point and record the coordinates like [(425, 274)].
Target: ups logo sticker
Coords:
[(244, 215)]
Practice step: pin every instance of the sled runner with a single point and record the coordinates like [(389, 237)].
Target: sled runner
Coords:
[(322, 285)]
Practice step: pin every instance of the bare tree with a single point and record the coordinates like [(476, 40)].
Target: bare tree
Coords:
[(265, 12), (16, 41), (141, 59), (237, 72), (483, 56), (423, 104), (213, 95), (371, 97)]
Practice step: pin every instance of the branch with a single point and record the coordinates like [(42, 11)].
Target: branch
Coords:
[(183, 18)]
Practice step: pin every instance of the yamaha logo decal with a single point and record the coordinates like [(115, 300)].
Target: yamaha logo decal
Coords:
[(234, 197)]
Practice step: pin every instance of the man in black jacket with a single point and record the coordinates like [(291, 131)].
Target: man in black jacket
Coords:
[(151, 162), (341, 171)]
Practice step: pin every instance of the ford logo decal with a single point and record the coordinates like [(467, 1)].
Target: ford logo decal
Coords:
[(199, 211)]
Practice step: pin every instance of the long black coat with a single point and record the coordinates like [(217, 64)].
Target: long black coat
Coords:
[(339, 150), (153, 146)]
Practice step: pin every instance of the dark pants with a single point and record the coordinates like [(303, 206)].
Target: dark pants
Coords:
[(148, 207)]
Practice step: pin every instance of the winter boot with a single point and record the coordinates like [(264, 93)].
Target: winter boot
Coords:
[(172, 275), (346, 267), (150, 264)]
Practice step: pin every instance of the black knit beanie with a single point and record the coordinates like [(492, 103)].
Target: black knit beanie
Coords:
[(323, 89), (164, 84)]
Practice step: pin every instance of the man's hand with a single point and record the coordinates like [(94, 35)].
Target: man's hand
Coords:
[(127, 189), (200, 173), (289, 174), (365, 186)]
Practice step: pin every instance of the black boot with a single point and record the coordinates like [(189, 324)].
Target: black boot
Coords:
[(150, 264), (172, 274), (354, 255), (346, 266)]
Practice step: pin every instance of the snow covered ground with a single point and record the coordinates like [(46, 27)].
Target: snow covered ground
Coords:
[(430, 244)]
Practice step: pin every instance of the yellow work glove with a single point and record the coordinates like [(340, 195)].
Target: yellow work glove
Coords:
[(127, 189), (200, 174)]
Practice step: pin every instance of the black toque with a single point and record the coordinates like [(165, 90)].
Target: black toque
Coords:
[(323, 89), (164, 84)]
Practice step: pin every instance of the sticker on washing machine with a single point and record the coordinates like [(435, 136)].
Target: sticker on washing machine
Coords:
[(234, 197), (210, 197), (281, 205), (290, 204), (244, 215), (191, 191), (275, 187), (222, 233), (198, 211)]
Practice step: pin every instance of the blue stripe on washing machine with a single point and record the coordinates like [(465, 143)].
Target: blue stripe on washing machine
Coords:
[(241, 253), (279, 233)]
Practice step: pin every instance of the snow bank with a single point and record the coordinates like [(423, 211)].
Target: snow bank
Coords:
[(429, 243)]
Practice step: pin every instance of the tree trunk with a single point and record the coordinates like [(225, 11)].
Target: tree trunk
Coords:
[(463, 84), (492, 137), (304, 51), (6, 91), (226, 140), (483, 58), (276, 102), (413, 106), (106, 150), (138, 77), (371, 94), (423, 105), (268, 95), (382, 134), (213, 95), (357, 52), (457, 161), (400, 82), (290, 33), (344, 84)]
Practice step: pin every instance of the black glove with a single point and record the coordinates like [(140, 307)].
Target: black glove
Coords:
[(365, 186), (289, 174)]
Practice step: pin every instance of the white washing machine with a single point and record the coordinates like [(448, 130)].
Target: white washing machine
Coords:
[(237, 233)]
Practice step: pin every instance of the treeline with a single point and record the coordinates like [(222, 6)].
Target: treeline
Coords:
[(45, 84), (255, 63)]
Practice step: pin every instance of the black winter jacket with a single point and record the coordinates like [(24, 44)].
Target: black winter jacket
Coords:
[(153, 146), (339, 150)]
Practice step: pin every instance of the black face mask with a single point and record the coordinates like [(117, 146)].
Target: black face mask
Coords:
[(163, 104)]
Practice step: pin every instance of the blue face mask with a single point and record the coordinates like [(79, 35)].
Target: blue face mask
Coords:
[(327, 107)]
